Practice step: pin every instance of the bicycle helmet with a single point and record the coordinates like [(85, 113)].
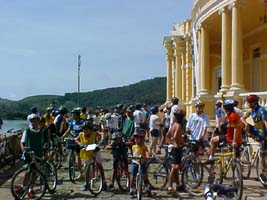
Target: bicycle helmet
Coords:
[(75, 112), (49, 109), (138, 106), (228, 103), (175, 100), (116, 135), (63, 110), (252, 98), (87, 125), (33, 117), (140, 133), (119, 106), (235, 103), (154, 109), (33, 109), (218, 103)]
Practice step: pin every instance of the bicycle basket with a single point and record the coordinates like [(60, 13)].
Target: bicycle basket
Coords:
[(71, 145)]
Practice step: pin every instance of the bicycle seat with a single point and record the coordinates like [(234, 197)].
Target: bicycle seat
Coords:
[(223, 189)]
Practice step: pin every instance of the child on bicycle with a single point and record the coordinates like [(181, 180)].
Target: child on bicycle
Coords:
[(86, 137), (32, 138), (139, 149), (119, 152)]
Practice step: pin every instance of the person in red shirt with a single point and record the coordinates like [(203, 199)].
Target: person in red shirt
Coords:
[(233, 129), (234, 124)]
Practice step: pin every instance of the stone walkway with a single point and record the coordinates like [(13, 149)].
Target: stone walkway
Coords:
[(253, 190)]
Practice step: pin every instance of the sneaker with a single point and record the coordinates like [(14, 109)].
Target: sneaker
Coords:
[(132, 193), (85, 188), (110, 186), (105, 188), (31, 194), (180, 188)]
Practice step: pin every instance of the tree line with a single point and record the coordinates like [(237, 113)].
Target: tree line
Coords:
[(151, 91)]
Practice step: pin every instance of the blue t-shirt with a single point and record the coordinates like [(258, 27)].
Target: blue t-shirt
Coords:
[(76, 126), (258, 115)]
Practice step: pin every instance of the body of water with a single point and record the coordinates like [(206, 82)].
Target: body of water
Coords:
[(15, 124)]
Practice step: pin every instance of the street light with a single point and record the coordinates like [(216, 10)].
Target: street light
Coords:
[(79, 69)]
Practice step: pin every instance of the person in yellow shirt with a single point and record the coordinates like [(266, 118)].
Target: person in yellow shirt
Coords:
[(139, 149), (86, 137), (49, 119)]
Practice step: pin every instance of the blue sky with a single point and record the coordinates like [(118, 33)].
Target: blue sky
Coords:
[(120, 42)]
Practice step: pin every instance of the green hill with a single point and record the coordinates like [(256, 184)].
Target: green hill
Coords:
[(152, 91)]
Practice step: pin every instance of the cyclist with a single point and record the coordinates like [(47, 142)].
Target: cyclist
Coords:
[(174, 107), (258, 129), (33, 112), (197, 126), (139, 149), (60, 121), (139, 117), (220, 117), (233, 129), (166, 124), (175, 139), (128, 128), (86, 137), (154, 127), (119, 153), (49, 119), (1, 123), (76, 125), (32, 138), (83, 114)]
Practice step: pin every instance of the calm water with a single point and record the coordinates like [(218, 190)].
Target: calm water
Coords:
[(16, 124)]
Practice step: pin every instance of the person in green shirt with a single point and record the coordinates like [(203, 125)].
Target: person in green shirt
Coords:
[(128, 128)]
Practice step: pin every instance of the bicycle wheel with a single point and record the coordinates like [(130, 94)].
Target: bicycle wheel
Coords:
[(50, 173), (259, 169), (9, 156), (237, 179), (55, 157), (122, 176), (157, 174), (25, 180), (94, 178), (245, 162), (192, 178), (72, 167), (139, 186)]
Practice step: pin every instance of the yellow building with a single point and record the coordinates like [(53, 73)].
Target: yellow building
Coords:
[(221, 52)]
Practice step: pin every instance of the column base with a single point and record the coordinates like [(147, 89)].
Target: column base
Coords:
[(237, 87), (203, 92), (224, 88)]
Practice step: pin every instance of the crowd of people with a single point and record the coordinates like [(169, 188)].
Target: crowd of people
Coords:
[(133, 127)]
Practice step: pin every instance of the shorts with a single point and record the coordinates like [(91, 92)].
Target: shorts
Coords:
[(155, 133), (134, 168), (177, 154)]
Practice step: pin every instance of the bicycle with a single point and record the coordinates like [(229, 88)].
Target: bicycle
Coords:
[(139, 178), (219, 172), (7, 155), (36, 175), (72, 146), (94, 172), (54, 152), (251, 157), (158, 169)]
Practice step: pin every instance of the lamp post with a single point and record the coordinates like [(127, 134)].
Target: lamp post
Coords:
[(79, 69)]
